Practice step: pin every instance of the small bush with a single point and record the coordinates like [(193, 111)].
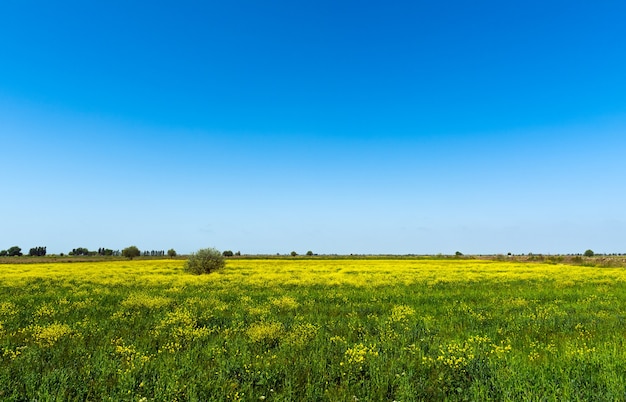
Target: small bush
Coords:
[(205, 261), (131, 252)]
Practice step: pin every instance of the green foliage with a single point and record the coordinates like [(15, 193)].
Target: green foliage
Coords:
[(589, 253), (14, 251), (309, 253), (105, 251), (171, 253), (4, 253), (80, 251), (228, 253), (293, 254), (131, 252), (37, 252), (205, 261)]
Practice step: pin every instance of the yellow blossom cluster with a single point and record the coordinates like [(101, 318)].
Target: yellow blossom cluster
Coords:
[(357, 355), (48, 335)]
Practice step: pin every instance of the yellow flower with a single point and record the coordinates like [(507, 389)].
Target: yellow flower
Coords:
[(47, 336)]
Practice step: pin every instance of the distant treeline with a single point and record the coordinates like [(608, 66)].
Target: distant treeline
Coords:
[(39, 251), (588, 258)]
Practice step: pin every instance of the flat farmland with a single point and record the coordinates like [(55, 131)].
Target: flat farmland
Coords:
[(312, 329)]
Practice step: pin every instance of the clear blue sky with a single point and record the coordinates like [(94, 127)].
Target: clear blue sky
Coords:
[(331, 126)]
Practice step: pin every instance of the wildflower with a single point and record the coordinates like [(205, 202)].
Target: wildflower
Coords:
[(265, 331)]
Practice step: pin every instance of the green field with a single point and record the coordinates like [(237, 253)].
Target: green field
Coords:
[(327, 330)]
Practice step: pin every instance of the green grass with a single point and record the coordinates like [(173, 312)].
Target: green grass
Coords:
[(145, 330)]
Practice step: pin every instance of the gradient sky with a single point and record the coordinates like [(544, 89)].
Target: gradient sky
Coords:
[(333, 126)]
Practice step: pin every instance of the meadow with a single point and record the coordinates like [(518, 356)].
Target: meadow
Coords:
[(314, 330)]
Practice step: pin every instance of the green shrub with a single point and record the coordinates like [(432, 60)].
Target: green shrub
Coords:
[(131, 252), (204, 261)]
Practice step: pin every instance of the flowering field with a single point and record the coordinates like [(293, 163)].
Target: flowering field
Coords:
[(336, 330)]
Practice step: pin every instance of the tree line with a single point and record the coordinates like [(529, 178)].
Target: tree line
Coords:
[(129, 252), (16, 251)]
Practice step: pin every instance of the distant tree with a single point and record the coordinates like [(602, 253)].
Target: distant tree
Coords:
[(14, 251), (238, 253), (171, 253), (37, 251), (80, 251), (458, 254), (131, 252), (4, 253), (293, 254), (228, 253), (105, 251), (589, 253), (205, 261), (309, 253)]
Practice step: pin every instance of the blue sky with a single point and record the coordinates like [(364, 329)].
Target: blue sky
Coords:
[(337, 127)]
